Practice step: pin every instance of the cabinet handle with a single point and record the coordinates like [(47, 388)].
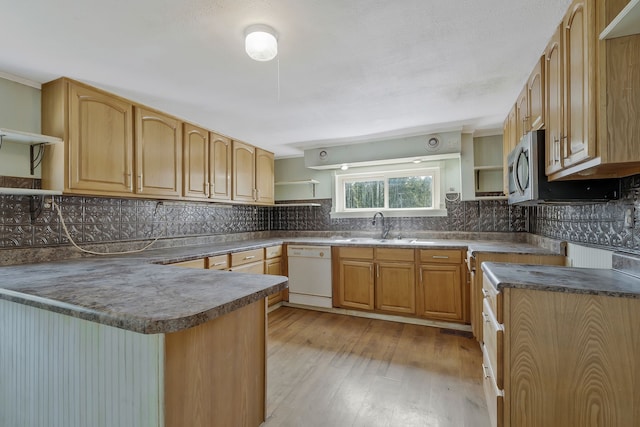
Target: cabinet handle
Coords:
[(420, 275), (140, 187), (484, 372), (250, 257), (378, 270), (485, 293), (216, 264), (440, 257), (206, 188)]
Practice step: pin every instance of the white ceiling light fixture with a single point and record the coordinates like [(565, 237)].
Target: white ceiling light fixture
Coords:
[(260, 42)]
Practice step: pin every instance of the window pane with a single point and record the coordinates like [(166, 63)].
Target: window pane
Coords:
[(364, 194), (410, 192)]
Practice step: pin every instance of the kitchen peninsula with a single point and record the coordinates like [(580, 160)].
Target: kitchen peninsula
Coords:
[(117, 341)]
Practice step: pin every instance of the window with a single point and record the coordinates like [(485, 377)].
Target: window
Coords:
[(406, 190)]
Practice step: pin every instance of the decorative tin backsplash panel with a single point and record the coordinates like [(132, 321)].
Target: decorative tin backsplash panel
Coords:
[(484, 215), (597, 224), (98, 220)]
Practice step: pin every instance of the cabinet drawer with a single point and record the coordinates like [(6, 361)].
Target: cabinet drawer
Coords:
[(493, 395), (356, 253), (251, 268), (493, 297), (194, 263), (245, 257), (273, 252), (493, 335), (389, 254), (219, 262), (446, 256)]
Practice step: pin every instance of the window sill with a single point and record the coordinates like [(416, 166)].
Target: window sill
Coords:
[(391, 213)]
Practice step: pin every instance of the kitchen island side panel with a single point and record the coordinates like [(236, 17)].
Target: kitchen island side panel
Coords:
[(60, 371)]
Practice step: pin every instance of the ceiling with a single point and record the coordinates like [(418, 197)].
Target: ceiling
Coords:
[(347, 71)]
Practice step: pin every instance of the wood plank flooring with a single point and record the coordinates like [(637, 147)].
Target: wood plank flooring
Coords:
[(330, 370)]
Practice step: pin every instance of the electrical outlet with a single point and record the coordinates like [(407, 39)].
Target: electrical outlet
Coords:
[(628, 218)]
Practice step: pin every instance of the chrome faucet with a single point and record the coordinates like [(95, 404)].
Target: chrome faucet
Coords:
[(385, 228)]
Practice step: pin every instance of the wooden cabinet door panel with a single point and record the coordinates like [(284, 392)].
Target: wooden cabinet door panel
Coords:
[(252, 268), (522, 115), (356, 288), (535, 95), (220, 167), (553, 99), (265, 189), (159, 154), (100, 142), (244, 159), (395, 289), (196, 168), (579, 85), (440, 291)]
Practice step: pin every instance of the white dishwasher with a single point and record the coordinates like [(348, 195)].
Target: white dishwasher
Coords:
[(310, 275)]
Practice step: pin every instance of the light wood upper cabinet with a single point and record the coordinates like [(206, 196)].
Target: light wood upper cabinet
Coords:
[(554, 104), (264, 176), (113, 147), (220, 167), (158, 142), (253, 174), (535, 96), (579, 85), (97, 129), (244, 178), (196, 161), (522, 114)]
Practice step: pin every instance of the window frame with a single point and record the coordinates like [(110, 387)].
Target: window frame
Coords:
[(339, 195)]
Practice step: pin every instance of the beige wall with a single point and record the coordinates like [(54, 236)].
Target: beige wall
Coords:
[(19, 110)]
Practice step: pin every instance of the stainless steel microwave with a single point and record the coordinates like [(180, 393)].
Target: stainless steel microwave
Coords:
[(528, 183)]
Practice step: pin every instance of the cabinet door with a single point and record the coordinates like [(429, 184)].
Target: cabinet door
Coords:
[(396, 287), (440, 291), (274, 266), (264, 176), (158, 154), (244, 161), (553, 99), (522, 115), (535, 95), (251, 268), (579, 86), (196, 153), (355, 288), (100, 142), (220, 167)]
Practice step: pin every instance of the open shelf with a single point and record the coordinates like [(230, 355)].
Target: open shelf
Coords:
[(287, 205), (626, 23), (28, 192), (311, 182), (27, 137)]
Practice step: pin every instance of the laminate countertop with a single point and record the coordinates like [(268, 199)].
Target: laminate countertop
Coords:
[(141, 293), (592, 281)]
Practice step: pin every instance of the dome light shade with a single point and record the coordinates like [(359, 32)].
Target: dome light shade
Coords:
[(260, 42)]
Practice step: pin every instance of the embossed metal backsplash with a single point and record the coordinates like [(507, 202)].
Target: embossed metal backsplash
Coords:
[(98, 220), (485, 215), (597, 224)]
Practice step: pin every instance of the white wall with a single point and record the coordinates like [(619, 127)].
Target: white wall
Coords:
[(19, 110)]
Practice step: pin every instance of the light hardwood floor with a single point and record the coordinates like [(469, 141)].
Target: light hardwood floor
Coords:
[(333, 370)]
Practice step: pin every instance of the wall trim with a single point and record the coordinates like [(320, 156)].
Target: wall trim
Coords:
[(21, 80)]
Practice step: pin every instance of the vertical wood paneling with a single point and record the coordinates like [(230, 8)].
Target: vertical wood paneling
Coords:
[(60, 371)]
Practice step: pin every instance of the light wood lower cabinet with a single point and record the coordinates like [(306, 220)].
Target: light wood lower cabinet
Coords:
[(440, 290), (273, 264), (194, 263), (250, 261), (375, 279), (566, 359), (477, 259)]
